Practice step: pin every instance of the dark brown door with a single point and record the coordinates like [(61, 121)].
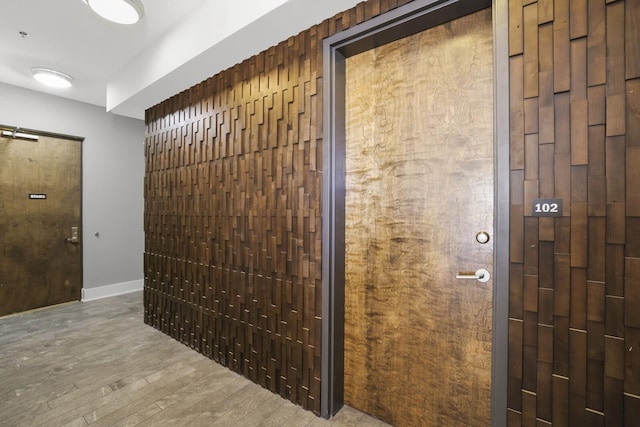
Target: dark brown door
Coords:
[(40, 223), (419, 148)]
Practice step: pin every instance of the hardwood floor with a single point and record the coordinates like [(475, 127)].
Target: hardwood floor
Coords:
[(98, 364)]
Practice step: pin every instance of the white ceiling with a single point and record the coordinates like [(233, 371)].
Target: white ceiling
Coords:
[(128, 69)]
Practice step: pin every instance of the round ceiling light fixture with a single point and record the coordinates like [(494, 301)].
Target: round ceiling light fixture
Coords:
[(118, 11), (52, 78)]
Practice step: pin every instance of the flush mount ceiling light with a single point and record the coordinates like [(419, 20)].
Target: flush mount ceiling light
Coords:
[(118, 11), (51, 77)]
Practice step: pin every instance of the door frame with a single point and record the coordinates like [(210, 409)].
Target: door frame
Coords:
[(398, 23), (18, 129)]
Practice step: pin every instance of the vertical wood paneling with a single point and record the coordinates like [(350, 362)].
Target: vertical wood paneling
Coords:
[(516, 39), (597, 65), (578, 18), (545, 11), (632, 293), (633, 181), (530, 30), (578, 297), (613, 402), (588, 333), (632, 39), (561, 46), (615, 153), (516, 113), (544, 391), (515, 363), (516, 291), (233, 207), (579, 103), (615, 50), (597, 105), (633, 112), (545, 74), (632, 361), (560, 393), (631, 410)]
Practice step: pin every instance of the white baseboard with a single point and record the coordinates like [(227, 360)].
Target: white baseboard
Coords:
[(90, 294)]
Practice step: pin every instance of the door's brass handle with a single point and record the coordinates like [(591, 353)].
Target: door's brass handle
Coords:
[(480, 275), (71, 240)]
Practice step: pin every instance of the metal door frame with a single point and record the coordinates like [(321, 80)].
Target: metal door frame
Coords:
[(401, 22)]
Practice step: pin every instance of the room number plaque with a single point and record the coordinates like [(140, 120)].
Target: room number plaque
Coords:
[(547, 207)]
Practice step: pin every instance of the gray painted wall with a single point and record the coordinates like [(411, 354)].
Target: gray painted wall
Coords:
[(113, 172)]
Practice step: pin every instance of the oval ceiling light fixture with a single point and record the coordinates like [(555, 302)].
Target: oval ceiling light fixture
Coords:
[(51, 77), (118, 11)]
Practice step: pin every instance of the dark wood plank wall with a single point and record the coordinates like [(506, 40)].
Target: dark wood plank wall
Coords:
[(233, 189), (233, 202), (574, 328)]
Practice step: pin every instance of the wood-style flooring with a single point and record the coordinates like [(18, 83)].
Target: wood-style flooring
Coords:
[(96, 363)]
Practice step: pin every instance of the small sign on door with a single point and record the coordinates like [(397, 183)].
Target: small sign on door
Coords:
[(37, 196)]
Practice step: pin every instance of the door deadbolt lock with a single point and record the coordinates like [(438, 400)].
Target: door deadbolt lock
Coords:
[(74, 236)]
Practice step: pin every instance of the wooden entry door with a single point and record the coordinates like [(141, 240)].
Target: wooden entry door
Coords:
[(419, 188), (40, 193)]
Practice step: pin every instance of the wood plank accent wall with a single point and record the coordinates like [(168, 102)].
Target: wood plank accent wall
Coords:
[(233, 188), (574, 327)]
